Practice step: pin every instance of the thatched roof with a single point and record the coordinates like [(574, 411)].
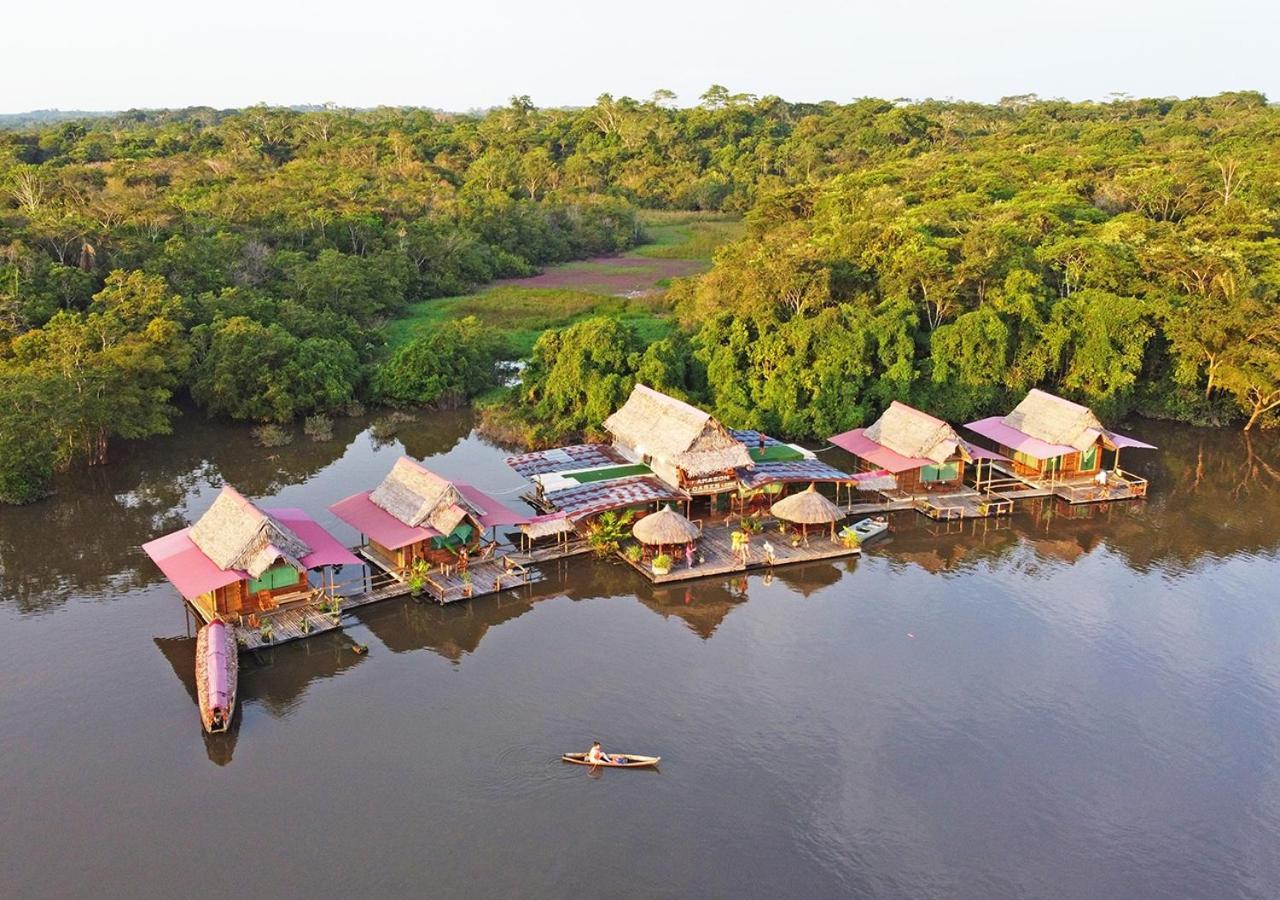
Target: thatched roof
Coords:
[(910, 432), (665, 527), (807, 508), (672, 431), (1055, 420), (235, 534), (417, 496)]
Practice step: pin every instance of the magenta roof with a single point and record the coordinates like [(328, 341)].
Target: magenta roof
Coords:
[(857, 443), (193, 573), (377, 524), (374, 522), (494, 512), (994, 429)]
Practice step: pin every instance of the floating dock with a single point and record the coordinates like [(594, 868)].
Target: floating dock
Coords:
[(715, 556)]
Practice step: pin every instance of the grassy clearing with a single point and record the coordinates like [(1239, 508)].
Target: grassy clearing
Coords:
[(520, 314), (687, 235), (564, 294)]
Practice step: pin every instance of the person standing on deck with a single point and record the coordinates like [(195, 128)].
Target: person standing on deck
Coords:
[(688, 554), (767, 549)]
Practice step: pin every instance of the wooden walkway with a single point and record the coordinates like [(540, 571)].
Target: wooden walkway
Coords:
[(716, 556), (1074, 489), (489, 576), (551, 554), (289, 624)]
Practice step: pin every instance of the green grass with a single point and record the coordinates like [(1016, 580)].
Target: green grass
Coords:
[(687, 235), (520, 315)]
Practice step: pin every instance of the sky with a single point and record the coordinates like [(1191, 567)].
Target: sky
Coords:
[(471, 54)]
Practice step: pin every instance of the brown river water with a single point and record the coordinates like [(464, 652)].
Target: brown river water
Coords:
[(1073, 703)]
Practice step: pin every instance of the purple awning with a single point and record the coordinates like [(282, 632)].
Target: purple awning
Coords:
[(1006, 436), (994, 429)]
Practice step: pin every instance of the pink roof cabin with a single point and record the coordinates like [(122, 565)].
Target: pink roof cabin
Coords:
[(239, 558), (416, 514), (923, 453), (1049, 435)]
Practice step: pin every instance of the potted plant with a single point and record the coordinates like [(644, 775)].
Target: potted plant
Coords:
[(265, 632), (662, 564), (633, 553), (416, 578), (466, 584)]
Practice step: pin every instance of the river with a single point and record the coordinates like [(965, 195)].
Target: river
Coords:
[(1073, 703)]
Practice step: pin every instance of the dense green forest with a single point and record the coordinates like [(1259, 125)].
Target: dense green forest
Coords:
[(951, 254)]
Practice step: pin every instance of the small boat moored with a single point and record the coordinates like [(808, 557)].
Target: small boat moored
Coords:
[(217, 668), (873, 527), (632, 761)]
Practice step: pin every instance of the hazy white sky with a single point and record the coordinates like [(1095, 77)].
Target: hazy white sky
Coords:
[(76, 54)]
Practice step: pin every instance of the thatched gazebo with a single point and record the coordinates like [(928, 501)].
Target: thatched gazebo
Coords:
[(808, 508), (665, 527)]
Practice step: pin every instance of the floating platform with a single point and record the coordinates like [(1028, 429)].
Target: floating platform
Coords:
[(715, 548), (488, 576), (1073, 489), (289, 623)]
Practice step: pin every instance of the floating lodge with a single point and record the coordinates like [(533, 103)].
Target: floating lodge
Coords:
[(707, 500)]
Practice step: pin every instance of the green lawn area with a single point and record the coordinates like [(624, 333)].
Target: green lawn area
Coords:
[(687, 235), (576, 290), (522, 314)]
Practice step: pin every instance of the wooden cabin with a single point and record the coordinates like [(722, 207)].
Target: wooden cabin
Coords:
[(1049, 438), (923, 453), (415, 514), (238, 559), (685, 447)]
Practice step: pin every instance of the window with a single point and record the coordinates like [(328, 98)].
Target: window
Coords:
[(281, 576), (1089, 460), (944, 472)]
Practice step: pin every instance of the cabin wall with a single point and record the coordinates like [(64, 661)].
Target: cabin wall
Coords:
[(1068, 464), (912, 481)]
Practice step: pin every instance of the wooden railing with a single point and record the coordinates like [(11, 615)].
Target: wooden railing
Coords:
[(1120, 485)]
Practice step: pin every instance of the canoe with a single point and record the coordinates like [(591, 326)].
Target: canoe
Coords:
[(632, 761), (217, 668), (866, 529)]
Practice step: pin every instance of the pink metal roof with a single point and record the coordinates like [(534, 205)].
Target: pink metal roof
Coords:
[(374, 522), (193, 573), (494, 511), (325, 548), (857, 443), (377, 524), (994, 429), (186, 566), (1123, 440)]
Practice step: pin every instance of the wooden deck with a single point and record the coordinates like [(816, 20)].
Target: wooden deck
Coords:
[(716, 557), (1074, 489), (489, 576), (290, 623)]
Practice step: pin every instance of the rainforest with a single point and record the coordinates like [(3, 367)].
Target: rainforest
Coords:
[(281, 265)]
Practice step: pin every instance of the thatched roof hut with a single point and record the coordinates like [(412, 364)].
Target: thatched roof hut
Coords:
[(417, 496), (665, 527), (913, 433), (235, 534), (807, 508), (655, 425), (1055, 420)]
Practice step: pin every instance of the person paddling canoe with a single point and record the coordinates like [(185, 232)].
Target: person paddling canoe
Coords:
[(596, 756)]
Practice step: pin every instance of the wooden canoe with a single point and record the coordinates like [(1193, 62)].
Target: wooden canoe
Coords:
[(632, 760), (217, 668)]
